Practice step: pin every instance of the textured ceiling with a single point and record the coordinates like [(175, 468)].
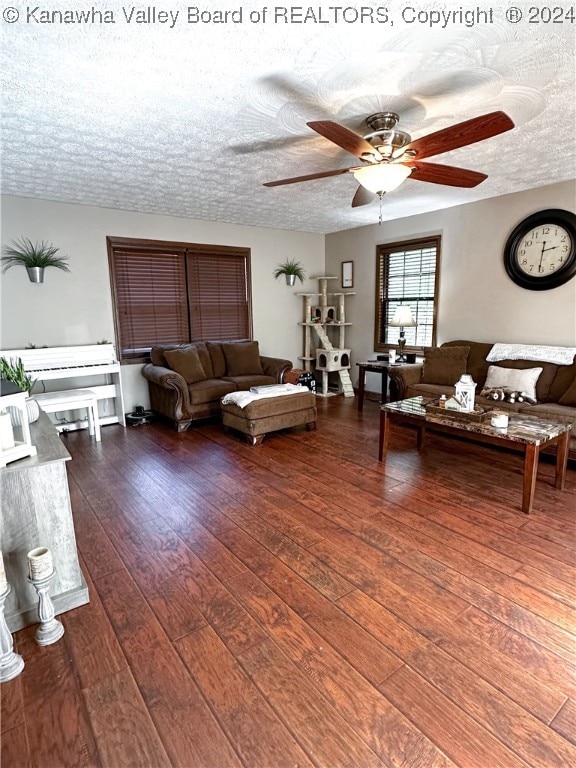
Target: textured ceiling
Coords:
[(191, 119)]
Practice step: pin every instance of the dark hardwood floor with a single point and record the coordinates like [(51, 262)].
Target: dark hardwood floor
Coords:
[(299, 603)]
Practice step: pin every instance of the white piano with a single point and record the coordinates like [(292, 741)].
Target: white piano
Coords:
[(92, 366)]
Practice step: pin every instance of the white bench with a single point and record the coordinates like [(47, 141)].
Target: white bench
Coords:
[(71, 400)]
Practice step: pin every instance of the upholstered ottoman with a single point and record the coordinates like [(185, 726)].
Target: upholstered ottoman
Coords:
[(269, 414)]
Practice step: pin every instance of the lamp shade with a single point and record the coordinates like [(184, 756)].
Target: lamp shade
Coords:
[(383, 177), (403, 317)]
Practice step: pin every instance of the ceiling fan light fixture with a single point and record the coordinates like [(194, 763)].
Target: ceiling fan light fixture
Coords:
[(382, 178)]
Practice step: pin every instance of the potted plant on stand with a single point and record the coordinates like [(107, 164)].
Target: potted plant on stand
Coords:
[(13, 370), (34, 256), (291, 270)]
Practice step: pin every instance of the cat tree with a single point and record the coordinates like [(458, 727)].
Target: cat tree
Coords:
[(320, 320)]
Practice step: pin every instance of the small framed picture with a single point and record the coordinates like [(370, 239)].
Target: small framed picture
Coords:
[(347, 274)]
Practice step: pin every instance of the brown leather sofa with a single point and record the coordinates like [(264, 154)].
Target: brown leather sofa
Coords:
[(187, 381), (555, 387)]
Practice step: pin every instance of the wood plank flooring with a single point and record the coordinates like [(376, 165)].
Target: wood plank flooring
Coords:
[(301, 604)]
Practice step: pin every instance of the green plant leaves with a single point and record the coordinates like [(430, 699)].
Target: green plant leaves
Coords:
[(25, 253)]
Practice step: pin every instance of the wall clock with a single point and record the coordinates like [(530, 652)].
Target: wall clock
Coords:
[(541, 251)]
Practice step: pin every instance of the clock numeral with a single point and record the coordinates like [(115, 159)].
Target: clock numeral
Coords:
[(541, 270), (545, 230), (528, 243), (524, 262)]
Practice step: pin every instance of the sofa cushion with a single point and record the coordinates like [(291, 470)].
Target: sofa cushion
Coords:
[(208, 390), (205, 358), (476, 364), (158, 354), (217, 357), (544, 380), (242, 358), (244, 383), (513, 378), (569, 397), (429, 390), (444, 365), (186, 362), (565, 375)]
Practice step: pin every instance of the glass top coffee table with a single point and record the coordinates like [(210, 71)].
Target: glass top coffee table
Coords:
[(526, 434)]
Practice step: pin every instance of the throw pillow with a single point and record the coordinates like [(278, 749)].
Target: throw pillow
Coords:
[(444, 365), (187, 363), (514, 379), (242, 358), (217, 359), (569, 397)]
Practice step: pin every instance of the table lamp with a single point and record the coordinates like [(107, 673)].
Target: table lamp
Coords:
[(403, 318)]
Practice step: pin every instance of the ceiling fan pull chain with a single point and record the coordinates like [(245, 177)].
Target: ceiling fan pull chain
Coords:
[(380, 195)]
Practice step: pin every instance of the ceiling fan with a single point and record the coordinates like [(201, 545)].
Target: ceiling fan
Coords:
[(389, 156)]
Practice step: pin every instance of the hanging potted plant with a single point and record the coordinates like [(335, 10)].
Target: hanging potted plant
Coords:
[(13, 370), (291, 270), (34, 256)]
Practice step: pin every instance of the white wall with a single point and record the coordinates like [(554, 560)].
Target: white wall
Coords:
[(76, 308), (477, 299)]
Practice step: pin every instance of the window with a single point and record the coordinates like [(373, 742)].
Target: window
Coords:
[(167, 292), (407, 273)]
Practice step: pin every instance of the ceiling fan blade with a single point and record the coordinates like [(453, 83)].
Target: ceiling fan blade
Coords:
[(344, 138), (461, 134), (445, 174), (363, 196), (309, 177)]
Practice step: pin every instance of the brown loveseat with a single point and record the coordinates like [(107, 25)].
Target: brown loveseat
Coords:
[(186, 381), (555, 386)]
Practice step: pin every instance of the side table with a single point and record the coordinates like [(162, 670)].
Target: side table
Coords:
[(372, 366)]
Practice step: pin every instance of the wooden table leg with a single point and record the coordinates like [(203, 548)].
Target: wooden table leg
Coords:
[(531, 455), (420, 434), (562, 459), (361, 382), (384, 432), (384, 387)]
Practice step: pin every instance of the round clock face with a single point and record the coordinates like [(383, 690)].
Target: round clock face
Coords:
[(544, 249), (541, 251)]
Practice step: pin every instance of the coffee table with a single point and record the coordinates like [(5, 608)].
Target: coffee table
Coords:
[(526, 434)]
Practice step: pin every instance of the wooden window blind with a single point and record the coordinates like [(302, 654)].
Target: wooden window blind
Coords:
[(177, 292), (407, 273), (217, 287)]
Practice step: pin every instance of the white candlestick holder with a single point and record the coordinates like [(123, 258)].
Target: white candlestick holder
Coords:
[(11, 663), (50, 629)]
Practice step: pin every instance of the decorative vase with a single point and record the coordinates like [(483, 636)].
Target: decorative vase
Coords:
[(36, 274), (290, 279)]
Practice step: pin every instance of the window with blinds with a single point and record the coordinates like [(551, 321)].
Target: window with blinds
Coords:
[(177, 292), (407, 273)]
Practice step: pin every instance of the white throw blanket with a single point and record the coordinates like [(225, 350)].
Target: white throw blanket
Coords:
[(242, 399), (558, 355)]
